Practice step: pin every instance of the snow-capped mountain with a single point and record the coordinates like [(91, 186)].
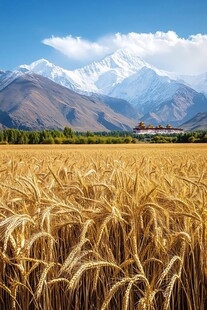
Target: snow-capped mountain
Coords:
[(109, 75), (159, 98), (101, 77), (146, 89), (98, 77), (124, 75), (56, 74)]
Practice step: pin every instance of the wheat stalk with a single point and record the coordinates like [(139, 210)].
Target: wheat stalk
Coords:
[(89, 266)]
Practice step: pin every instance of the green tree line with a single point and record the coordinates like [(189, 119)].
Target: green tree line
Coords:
[(68, 136)]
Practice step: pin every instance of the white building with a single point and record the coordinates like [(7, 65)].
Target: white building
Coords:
[(142, 129)]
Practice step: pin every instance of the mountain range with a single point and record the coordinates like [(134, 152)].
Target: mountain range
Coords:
[(102, 77), (33, 102), (125, 88)]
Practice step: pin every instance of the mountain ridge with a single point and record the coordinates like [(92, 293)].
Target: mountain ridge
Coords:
[(123, 60), (34, 102), (198, 122)]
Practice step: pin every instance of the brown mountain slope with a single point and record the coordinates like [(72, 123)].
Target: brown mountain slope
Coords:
[(184, 104), (198, 122), (35, 102)]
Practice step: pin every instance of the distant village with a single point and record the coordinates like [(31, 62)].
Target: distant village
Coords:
[(150, 129)]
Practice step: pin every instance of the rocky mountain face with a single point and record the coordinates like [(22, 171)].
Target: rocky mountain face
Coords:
[(198, 122), (118, 105), (146, 90), (183, 104), (33, 102)]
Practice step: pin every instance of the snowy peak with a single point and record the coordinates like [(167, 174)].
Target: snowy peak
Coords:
[(40, 66), (41, 62), (36, 65), (7, 77), (47, 69), (98, 77), (145, 89), (103, 76), (124, 59)]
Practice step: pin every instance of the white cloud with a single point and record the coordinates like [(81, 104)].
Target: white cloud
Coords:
[(165, 50), (76, 48)]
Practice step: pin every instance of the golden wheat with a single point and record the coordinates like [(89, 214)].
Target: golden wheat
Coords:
[(87, 228)]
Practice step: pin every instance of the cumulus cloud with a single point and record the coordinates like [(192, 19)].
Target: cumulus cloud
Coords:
[(165, 50)]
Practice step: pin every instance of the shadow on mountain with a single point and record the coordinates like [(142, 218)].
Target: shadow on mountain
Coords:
[(108, 125), (5, 119)]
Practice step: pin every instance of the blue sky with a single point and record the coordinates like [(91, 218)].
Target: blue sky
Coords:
[(26, 23)]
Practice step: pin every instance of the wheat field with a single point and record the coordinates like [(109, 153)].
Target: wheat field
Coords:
[(107, 227)]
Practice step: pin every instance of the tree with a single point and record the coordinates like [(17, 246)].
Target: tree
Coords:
[(57, 133), (127, 140), (45, 134), (68, 132), (191, 139), (1, 136), (23, 137), (204, 139), (34, 137), (48, 141), (89, 134), (11, 135)]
